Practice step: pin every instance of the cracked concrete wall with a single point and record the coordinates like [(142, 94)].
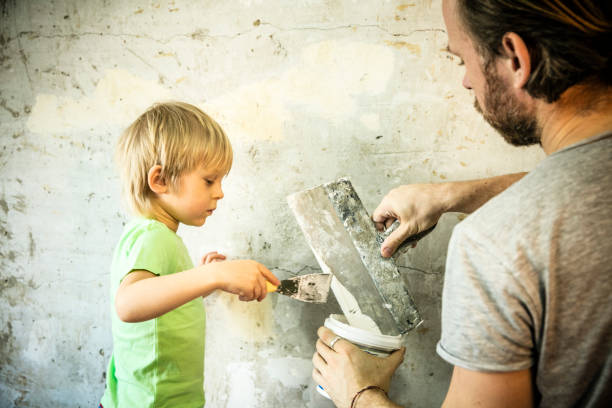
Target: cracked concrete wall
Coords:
[(307, 90)]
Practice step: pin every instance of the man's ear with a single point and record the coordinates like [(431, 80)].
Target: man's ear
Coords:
[(156, 182), (519, 60)]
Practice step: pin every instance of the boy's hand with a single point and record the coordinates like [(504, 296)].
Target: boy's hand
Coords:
[(245, 278), (213, 256)]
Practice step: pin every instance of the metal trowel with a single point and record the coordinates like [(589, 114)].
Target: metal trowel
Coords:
[(312, 288), (345, 243)]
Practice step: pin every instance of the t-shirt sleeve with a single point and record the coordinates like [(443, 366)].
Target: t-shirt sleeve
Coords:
[(153, 250), (486, 319)]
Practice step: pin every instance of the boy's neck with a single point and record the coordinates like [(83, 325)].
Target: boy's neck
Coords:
[(159, 214)]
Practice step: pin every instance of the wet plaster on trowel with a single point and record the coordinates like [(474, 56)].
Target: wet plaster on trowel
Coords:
[(350, 309), (348, 304)]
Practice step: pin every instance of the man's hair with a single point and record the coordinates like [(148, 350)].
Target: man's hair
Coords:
[(178, 137), (569, 41)]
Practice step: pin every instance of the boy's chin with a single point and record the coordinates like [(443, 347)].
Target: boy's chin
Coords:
[(196, 223)]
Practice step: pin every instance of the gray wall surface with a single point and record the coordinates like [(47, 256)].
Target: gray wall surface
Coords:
[(308, 91)]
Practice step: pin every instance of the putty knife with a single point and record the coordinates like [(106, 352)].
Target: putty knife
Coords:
[(312, 288)]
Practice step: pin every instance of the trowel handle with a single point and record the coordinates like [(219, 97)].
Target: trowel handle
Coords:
[(413, 238), (409, 241), (270, 287)]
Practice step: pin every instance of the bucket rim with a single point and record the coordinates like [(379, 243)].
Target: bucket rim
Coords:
[(339, 325)]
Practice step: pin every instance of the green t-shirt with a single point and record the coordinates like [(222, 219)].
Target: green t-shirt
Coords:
[(159, 362)]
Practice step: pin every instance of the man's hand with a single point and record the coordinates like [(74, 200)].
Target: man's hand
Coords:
[(417, 207), (344, 370), (420, 206)]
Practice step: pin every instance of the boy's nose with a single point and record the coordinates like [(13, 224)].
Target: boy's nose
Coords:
[(219, 192)]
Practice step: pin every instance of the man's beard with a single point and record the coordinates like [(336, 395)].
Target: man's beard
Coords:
[(505, 113)]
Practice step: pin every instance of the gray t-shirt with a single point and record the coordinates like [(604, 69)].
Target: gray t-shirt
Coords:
[(528, 280)]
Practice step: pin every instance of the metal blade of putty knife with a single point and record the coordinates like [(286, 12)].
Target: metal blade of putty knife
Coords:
[(312, 288)]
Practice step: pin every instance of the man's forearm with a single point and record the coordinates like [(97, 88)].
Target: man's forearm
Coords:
[(468, 196)]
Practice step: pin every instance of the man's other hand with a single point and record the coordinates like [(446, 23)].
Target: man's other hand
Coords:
[(345, 369)]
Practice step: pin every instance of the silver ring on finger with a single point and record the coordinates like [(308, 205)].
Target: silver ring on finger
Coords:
[(333, 342)]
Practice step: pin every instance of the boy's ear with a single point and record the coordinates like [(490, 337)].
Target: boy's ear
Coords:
[(156, 182)]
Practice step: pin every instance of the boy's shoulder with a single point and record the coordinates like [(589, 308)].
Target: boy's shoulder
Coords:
[(146, 230), (149, 245)]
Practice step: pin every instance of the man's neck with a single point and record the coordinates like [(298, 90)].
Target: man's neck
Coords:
[(567, 122)]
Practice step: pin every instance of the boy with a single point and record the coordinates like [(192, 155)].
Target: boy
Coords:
[(172, 160)]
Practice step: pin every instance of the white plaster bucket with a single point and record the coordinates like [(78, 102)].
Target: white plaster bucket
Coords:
[(377, 344)]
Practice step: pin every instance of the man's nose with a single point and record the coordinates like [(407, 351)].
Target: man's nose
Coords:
[(466, 83)]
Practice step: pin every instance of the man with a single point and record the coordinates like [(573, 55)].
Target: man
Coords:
[(526, 308)]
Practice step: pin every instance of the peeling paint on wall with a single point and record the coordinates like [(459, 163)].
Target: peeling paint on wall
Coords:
[(13, 289), (118, 99), (413, 48), (327, 81)]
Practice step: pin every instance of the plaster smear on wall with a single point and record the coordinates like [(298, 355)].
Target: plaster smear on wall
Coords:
[(241, 385), (38, 351), (327, 81), (249, 3), (248, 321), (291, 372), (118, 99), (371, 121)]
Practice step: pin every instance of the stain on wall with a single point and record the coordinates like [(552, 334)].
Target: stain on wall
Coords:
[(307, 94), (118, 98)]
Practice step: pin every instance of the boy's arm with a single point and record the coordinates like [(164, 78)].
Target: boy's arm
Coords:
[(143, 295)]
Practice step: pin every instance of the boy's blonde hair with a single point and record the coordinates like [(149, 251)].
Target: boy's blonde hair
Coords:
[(178, 137)]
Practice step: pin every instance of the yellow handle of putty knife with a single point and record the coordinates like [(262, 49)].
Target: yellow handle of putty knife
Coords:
[(270, 287)]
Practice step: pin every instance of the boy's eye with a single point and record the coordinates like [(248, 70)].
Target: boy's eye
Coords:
[(209, 182)]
